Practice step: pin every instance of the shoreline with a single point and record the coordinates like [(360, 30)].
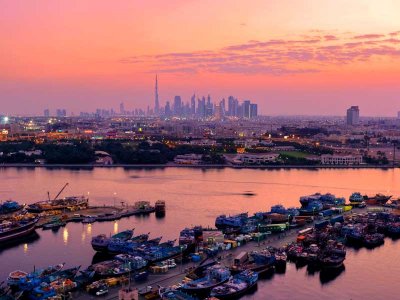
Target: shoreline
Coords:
[(205, 166)]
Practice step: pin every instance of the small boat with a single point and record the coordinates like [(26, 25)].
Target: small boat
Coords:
[(236, 221), (18, 277), (89, 219), (236, 287), (141, 276), (108, 217), (160, 208), (215, 276), (374, 240), (378, 199), (54, 224), (100, 242), (10, 206), (13, 230), (44, 291), (331, 261)]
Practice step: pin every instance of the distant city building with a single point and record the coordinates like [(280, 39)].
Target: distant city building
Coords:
[(156, 102), (253, 110), (246, 109), (177, 105), (353, 116), (122, 108), (398, 114), (61, 113), (46, 113)]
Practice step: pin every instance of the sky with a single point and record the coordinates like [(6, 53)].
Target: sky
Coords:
[(292, 57)]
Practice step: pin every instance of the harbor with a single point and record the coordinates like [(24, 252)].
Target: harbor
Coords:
[(157, 228)]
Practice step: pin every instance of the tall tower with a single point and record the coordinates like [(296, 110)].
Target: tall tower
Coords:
[(156, 104)]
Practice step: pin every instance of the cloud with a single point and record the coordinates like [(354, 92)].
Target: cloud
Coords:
[(304, 54), (369, 36), (330, 37)]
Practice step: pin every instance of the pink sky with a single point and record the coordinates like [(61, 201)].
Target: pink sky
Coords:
[(290, 56)]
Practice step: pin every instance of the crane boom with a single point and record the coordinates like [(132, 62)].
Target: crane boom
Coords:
[(60, 191)]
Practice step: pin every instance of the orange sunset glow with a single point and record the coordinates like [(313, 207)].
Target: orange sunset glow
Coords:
[(291, 57)]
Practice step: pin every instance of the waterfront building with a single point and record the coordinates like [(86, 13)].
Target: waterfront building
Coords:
[(255, 158), (340, 159), (353, 116)]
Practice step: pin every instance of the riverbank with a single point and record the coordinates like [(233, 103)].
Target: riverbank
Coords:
[(205, 166)]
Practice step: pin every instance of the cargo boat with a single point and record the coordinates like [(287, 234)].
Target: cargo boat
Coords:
[(259, 261), (378, 199), (11, 230), (235, 221), (160, 208), (236, 287), (67, 203), (101, 241), (215, 276), (15, 277), (10, 206)]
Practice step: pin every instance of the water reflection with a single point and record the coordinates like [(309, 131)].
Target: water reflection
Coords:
[(25, 248), (89, 229), (327, 275), (65, 235), (115, 227)]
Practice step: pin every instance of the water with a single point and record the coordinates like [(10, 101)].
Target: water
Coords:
[(197, 196)]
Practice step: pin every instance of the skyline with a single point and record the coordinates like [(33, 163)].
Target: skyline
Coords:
[(79, 57)]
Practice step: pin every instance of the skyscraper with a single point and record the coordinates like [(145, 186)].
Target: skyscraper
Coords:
[(156, 103), (246, 109), (177, 106), (353, 116), (122, 108), (193, 105), (47, 113), (253, 110)]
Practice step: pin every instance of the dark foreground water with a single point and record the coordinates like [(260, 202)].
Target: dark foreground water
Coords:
[(197, 196)]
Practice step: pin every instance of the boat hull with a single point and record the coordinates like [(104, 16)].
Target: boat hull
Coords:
[(237, 294), (19, 232)]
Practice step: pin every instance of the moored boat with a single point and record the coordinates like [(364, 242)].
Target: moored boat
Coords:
[(160, 208), (10, 206), (12, 230), (100, 242), (67, 203), (215, 276), (239, 285)]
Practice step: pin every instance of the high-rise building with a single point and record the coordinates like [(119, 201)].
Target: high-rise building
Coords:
[(168, 111), (253, 110), (193, 105), (353, 116), (177, 106), (46, 113), (246, 109), (398, 115), (61, 113), (122, 108), (232, 106), (156, 102)]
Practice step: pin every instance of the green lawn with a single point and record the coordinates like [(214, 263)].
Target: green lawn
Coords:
[(294, 154)]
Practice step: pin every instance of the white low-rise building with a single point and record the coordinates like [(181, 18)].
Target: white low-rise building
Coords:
[(255, 158), (188, 159), (340, 159)]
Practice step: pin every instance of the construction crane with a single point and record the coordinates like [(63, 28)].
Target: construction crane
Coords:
[(55, 198)]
